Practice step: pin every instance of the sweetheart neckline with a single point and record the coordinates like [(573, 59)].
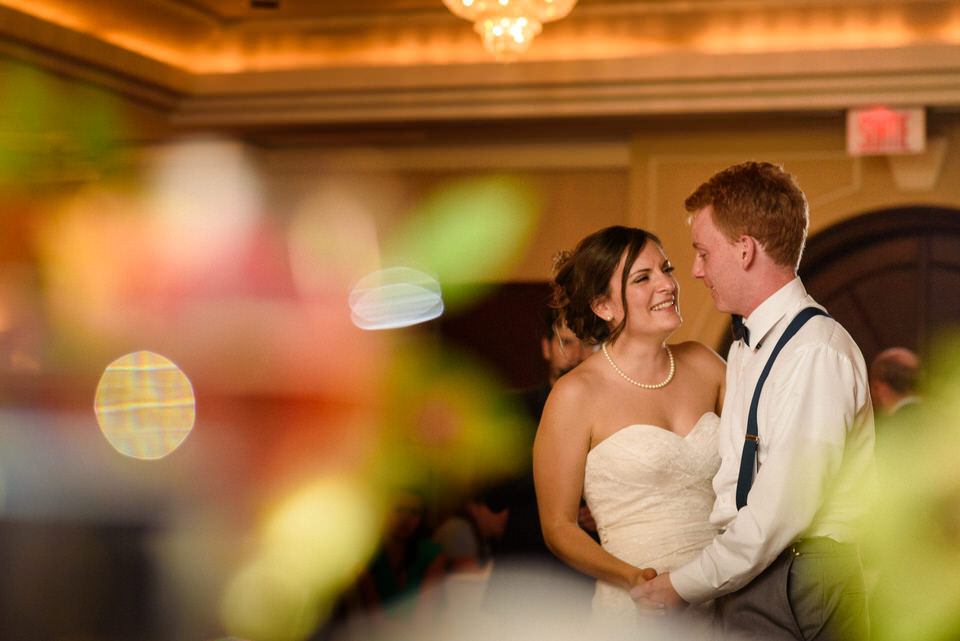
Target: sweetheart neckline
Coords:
[(693, 429)]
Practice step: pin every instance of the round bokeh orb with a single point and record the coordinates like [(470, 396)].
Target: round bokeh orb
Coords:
[(145, 405), (395, 297)]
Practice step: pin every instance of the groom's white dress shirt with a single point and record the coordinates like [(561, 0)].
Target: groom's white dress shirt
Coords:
[(815, 460)]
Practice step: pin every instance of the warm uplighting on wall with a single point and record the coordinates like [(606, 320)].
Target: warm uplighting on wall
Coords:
[(508, 26)]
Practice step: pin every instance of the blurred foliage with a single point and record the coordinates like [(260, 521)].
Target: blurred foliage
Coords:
[(111, 273), (912, 541), (467, 232), (446, 427), (52, 131), (447, 421), (313, 545)]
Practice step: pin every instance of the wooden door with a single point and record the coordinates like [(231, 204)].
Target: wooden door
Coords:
[(891, 277)]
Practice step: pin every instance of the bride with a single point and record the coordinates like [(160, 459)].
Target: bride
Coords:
[(633, 427)]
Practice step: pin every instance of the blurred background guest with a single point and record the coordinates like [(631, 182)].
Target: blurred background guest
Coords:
[(466, 536), (521, 558), (396, 590), (894, 380)]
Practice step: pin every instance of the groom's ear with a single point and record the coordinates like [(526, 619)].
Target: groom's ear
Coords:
[(747, 250)]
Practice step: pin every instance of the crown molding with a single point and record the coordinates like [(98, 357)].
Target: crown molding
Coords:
[(663, 85), (76, 55), (419, 64)]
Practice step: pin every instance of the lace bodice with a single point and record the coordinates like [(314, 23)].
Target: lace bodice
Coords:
[(650, 492)]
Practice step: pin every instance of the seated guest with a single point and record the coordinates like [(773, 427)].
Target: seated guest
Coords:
[(396, 588), (465, 536), (521, 558)]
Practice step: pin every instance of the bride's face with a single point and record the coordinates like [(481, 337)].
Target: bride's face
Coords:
[(651, 295)]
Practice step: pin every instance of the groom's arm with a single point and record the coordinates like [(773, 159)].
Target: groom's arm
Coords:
[(807, 415)]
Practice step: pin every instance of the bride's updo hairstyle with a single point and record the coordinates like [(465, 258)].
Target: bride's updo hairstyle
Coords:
[(582, 277)]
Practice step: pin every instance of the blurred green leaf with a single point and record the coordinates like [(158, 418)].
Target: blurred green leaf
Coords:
[(912, 540), (52, 131), (471, 231)]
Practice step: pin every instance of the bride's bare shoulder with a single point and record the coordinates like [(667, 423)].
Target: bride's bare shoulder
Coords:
[(698, 353), (574, 390), (709, 367)]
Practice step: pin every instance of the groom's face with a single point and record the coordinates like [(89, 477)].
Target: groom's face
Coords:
[(715, 262)]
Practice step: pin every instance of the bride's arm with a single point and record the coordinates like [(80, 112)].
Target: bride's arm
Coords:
[(559, 458)]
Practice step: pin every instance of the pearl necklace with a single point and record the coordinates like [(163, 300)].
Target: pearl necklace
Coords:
[(673, 369)]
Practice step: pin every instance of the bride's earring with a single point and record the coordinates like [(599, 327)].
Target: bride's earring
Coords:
[(596, 306)]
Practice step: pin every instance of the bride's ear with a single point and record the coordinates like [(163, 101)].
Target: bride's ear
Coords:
[(601, 307)]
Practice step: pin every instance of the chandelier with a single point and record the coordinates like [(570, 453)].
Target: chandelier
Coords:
[(508, 26)]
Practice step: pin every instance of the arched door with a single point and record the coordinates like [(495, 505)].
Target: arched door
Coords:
[(891, 277)]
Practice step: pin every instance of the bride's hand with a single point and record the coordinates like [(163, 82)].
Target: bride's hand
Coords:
[(643, 575)]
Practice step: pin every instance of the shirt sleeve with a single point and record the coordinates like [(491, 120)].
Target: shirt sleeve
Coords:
[(805, 413)]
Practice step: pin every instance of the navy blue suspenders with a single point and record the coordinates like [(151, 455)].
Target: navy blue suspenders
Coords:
[(751, 438)]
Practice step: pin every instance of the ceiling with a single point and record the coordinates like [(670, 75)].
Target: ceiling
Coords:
[(290, 64)]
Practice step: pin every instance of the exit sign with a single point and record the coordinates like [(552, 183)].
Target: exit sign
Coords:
[(881, 131)]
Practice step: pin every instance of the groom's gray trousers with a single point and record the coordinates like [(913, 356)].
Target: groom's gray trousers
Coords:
[(814, 590)]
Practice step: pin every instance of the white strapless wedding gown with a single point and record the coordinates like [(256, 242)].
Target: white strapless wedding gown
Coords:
[(651, 493)]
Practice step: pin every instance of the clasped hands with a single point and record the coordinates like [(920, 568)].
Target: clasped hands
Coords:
[(654, 594)]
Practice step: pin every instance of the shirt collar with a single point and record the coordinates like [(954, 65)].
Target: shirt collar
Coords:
[(906, 400), (768, 313)]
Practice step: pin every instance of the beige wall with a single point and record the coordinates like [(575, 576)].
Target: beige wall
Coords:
[(586, 181), (668, 163), (643, 181), (582, 186)]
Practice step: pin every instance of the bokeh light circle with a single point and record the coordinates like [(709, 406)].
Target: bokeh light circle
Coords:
[(209, 188), (265, 603), (324, 531), (314, 545), (145, 405), (395, 297)]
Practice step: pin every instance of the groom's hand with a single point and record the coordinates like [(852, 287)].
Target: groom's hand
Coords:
[(657, 593), (642, 577)]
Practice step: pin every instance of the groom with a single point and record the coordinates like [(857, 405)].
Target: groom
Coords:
[(785, 564)]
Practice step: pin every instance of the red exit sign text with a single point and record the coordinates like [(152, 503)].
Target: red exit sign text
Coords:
[(881, 130)]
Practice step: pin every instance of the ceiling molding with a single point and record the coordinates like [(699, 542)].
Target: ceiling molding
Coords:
[(218, 63), (77, 55), (689, 84)]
